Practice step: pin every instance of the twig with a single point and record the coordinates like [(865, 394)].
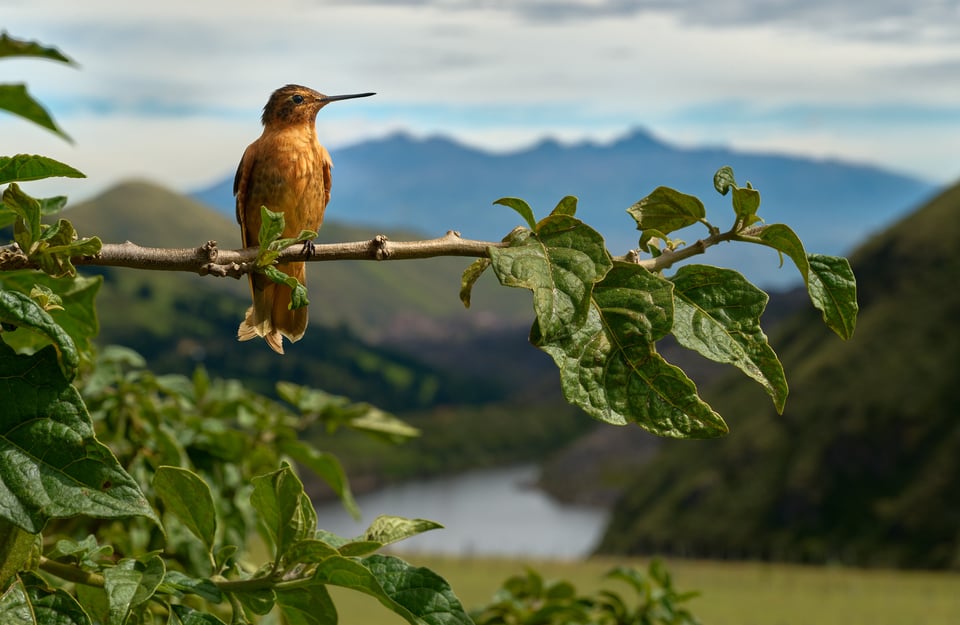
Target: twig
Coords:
[(209, 259)]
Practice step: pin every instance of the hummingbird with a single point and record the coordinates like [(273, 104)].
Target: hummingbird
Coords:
[(287, 170)]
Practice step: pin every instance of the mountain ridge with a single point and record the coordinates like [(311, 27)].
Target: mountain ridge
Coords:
[(435, 184)]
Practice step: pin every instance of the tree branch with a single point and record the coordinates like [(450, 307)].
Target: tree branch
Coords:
[(209, 259)]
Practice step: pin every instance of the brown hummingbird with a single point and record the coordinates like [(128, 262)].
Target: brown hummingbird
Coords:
[(286, 170)]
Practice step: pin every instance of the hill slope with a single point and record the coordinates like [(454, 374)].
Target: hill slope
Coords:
[(432, 363), (863, 466), (433, 185)]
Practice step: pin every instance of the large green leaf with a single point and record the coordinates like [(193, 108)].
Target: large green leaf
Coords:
[(16, 100), (25, 167), (51, 465), (610, 368), (560, 264), (417, 594), (29, 601), (188, 498), (18, 310), (717, 313)]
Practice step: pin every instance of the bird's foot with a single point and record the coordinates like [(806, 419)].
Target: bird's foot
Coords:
[(309, 248)]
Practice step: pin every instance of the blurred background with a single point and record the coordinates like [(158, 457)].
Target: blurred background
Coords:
[(844, 115)]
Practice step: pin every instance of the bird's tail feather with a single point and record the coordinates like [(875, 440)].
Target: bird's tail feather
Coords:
[(270, 316)]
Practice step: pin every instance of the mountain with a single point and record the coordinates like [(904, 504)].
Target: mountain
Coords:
[(863, 466), (434, 185)]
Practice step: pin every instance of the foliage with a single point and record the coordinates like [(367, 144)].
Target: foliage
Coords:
[(151, 494), (862, 467), (529, 600)]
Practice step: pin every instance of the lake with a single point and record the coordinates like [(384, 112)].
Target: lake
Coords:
[(490, 512)]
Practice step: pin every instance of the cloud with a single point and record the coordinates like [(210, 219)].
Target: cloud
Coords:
[(882, 19)]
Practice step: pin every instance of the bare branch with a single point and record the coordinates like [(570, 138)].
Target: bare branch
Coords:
[(209, 259)]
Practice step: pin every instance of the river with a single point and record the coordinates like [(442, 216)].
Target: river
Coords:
[(490, 512)]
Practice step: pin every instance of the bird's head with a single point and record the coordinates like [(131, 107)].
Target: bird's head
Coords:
[(295, 104)]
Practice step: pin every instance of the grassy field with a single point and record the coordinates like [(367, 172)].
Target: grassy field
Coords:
[(732, 593)]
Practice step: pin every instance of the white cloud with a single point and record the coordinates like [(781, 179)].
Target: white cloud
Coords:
[(175, 90)]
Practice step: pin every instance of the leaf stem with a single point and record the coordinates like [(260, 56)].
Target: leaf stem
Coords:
[(71, 573)]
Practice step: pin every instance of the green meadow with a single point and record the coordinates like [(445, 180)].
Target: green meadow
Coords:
[(733, 593)]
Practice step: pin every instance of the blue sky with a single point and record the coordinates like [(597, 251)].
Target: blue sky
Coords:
[(172, 91)]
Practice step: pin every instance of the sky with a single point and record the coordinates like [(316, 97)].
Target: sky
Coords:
[(172, 91)]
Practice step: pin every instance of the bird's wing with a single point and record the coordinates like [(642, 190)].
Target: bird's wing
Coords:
[(327, 168), (241, 185)]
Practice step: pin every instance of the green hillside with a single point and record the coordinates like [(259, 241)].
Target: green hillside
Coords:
[(393, 334), (864, 465)]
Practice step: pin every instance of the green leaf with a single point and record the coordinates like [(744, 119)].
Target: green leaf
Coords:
[(27, 228), (87, 552), (51, 465), (328, 467), (21, 47), (417, 594), (390, 529), (666, 210), (48, 206), (17, 309), (559, 264), (833, 290), (16, 546), (24, 167), (281, 244), (717, 313), (189, 616), (785, 241), (29, 601), (16, 100), (298, 296), (271, 227), (175, 581), (188, 498), (724, 179), (15, 606), (77, 296), (278, 498), (470, 276), (522, 208), (610, 368), (312, 550), (566, 206), (746, 202), (129, 584), (307, 605), (259, 601)]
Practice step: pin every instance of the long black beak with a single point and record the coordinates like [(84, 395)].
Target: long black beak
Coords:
[(331, 98)]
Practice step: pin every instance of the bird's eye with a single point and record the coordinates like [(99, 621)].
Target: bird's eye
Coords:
[(297, 99)]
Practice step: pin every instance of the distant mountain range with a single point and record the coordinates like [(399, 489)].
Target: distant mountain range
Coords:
[(434, 185)]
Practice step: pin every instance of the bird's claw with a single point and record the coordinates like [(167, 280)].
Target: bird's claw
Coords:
[(309, 248)]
